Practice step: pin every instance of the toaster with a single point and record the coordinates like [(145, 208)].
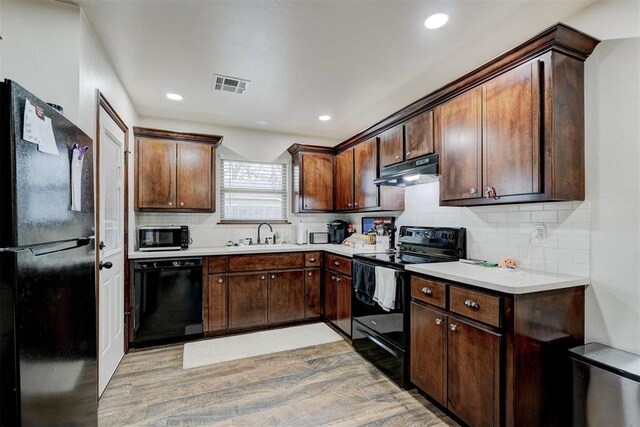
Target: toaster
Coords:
[(318, 237)]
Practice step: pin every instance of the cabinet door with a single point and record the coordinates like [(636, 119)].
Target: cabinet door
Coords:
[(247, 300), (392, 146), (428, 355), (330, 306), (460, 146), (473, 374), (419, 135), (344, 180), (156, 174), (366, 167), (218, 318), (511, 140), (195, 176), (286, 296), (343, 303), (317, 182), (312, 296)]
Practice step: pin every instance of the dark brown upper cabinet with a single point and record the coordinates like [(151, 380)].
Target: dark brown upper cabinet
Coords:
[(175, 171), (312, 181), (365, 172), (510, 131), (413, 138), (343, 182)]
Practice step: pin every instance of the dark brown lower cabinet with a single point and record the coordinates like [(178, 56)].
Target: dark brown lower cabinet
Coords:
[(343, 303), (428, 351), (247, 300), (473, 373), (312, 293), (330, 294), (217, 307), (286, 296)]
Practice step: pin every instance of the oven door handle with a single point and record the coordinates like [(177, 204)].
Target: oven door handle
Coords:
[(378, 342)]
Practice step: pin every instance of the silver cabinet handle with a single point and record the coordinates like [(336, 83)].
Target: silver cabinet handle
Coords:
[(312, 259), (453, 326), (472, 304), (273, 276), (181, 203), (170, 203), (338, 279), (333, 277), (336, 263), (220, 280), (473, 191), (309, 274), (438, 321), (397, 156), (357, 204), (490, 193), (349, 204), (262, 277), (427, 291)]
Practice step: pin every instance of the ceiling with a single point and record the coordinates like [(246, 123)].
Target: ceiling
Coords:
[(356, 60)]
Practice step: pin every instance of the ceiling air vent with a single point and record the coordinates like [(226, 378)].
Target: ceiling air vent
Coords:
[(229, 84)]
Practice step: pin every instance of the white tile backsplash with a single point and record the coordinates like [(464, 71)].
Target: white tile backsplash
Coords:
[(496, 232)]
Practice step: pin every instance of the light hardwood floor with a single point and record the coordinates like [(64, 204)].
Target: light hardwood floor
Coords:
[(328, 384)]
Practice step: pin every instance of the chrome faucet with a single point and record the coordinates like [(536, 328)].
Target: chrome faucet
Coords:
[(259, 226)]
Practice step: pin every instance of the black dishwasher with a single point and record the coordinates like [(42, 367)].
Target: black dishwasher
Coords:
[(167, 301)]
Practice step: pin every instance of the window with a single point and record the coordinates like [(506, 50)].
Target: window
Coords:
[(252, 191)]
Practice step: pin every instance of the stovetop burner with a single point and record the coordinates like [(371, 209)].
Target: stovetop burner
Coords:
[(422, 245)]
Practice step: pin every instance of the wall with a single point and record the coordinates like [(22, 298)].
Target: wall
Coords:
[(613, 186), (41, 50)]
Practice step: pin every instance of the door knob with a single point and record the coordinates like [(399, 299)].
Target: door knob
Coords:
[(106, 265), (101, 246)]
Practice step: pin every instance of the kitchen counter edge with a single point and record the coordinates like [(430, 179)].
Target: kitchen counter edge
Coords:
[(510, 282), (224, 251)]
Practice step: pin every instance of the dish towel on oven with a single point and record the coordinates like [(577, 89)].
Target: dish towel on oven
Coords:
[(364, 282), (385, 294)]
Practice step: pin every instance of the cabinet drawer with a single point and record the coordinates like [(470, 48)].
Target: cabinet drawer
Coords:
[(338, 263), (217, 264), (429, 291), (476, 305), (312, 259), (266, 262)]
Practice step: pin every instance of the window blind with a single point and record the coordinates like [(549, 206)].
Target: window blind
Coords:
[(253, 191)]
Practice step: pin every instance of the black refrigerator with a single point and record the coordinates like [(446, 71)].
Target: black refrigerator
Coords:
[(48, 368)]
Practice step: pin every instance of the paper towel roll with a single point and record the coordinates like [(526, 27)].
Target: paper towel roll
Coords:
[(301, 233)]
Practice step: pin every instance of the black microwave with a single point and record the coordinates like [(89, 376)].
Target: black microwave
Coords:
[(163, 237)]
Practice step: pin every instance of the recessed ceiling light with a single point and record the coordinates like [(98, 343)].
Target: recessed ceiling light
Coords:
[(262, 122), (436, 21), (324, 117), (174, 97)]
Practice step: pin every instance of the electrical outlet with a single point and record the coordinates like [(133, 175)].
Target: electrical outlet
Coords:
[(539, 231)]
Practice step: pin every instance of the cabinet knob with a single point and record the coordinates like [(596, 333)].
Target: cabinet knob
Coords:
[(333, 277), (181, 203), (453, 326), (349, 204), (357, 204), (273, 276), (397, 156), (220, 280), (262, 277), (490, 193), (312, 259), (170, 203), (473, 190), (427, 291), (472, 304), (338, 279), (438, 321), (309, 274), (408, 153), (336, 263)]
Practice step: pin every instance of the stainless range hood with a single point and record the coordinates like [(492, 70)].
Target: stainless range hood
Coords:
[(416, 171)]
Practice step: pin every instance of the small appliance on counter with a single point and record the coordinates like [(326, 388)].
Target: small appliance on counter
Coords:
[(163, 237), (384, 228), (317, 237), (338, 231)]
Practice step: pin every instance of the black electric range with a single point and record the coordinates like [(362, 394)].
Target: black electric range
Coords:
[(380, 335)]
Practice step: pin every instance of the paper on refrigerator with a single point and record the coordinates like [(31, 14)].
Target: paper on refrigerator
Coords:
[(77, 158), (37, 128)]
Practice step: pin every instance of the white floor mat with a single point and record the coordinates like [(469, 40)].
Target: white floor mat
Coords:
[(224, 349)]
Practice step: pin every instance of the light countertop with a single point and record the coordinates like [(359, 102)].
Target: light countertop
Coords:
[(252, 250), (502, 280)]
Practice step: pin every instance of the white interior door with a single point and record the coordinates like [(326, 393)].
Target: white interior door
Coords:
[(111, 223)]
